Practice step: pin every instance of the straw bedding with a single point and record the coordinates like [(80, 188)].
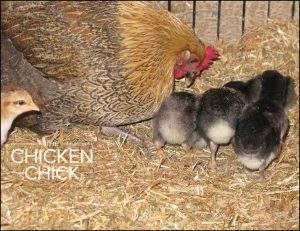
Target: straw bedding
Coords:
[(123, 189)]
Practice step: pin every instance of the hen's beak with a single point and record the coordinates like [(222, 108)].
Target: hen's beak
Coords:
[(189, 78)]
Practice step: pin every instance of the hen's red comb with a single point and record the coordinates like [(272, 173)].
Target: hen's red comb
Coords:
[(210, 55)]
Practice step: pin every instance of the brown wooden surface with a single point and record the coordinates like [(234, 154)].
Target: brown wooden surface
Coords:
[(231, 21), (256, 13), (206, 21), (183, 10), (160, 4), (296, 14), (281, 10)]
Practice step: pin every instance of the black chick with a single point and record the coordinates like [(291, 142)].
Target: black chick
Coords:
[(251, 89), (219, 109), (263, 124), (175, 123)]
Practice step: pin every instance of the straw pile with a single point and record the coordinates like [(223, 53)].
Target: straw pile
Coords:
[(122, 189)]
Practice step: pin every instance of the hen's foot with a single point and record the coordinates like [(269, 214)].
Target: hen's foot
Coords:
[(114, 131)]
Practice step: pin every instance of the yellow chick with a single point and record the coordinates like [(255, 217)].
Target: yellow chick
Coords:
[(14, 101)]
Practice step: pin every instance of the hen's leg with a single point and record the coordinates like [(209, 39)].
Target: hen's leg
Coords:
[(114, 131)]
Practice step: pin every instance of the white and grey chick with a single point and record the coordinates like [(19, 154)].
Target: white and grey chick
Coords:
[(175, 123), (14, 102), (263, 124), (219, 109)]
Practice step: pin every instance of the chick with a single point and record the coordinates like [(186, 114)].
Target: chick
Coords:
[(263, 124), (251, 89), (219, 109), (14, 101), (175, 123)]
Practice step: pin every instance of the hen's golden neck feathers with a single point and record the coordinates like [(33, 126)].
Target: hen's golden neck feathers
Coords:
[(151, 39), (168, 35)]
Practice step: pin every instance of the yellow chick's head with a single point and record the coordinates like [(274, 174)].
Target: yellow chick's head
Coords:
[(15, 101)]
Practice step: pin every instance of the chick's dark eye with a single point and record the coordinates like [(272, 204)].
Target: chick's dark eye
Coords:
[(20, 102)]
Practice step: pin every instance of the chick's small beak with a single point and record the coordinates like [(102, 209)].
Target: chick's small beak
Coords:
[(33, 107), (189, 78)]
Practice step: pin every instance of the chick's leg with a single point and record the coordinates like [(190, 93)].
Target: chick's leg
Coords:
[(114, 131), (189, 152), (262, 174), (262, 171), (213, 150), (159, 143)]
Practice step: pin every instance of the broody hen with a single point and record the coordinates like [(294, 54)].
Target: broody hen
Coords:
[(263, 124), (106, 63), (14, 102)]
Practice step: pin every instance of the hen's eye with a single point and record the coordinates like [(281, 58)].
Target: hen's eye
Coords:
[(20, 102), (194, 61)]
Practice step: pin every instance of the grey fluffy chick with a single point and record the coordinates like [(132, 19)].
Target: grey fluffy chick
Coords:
[(219, 109), (263, 124), (175, 123)]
